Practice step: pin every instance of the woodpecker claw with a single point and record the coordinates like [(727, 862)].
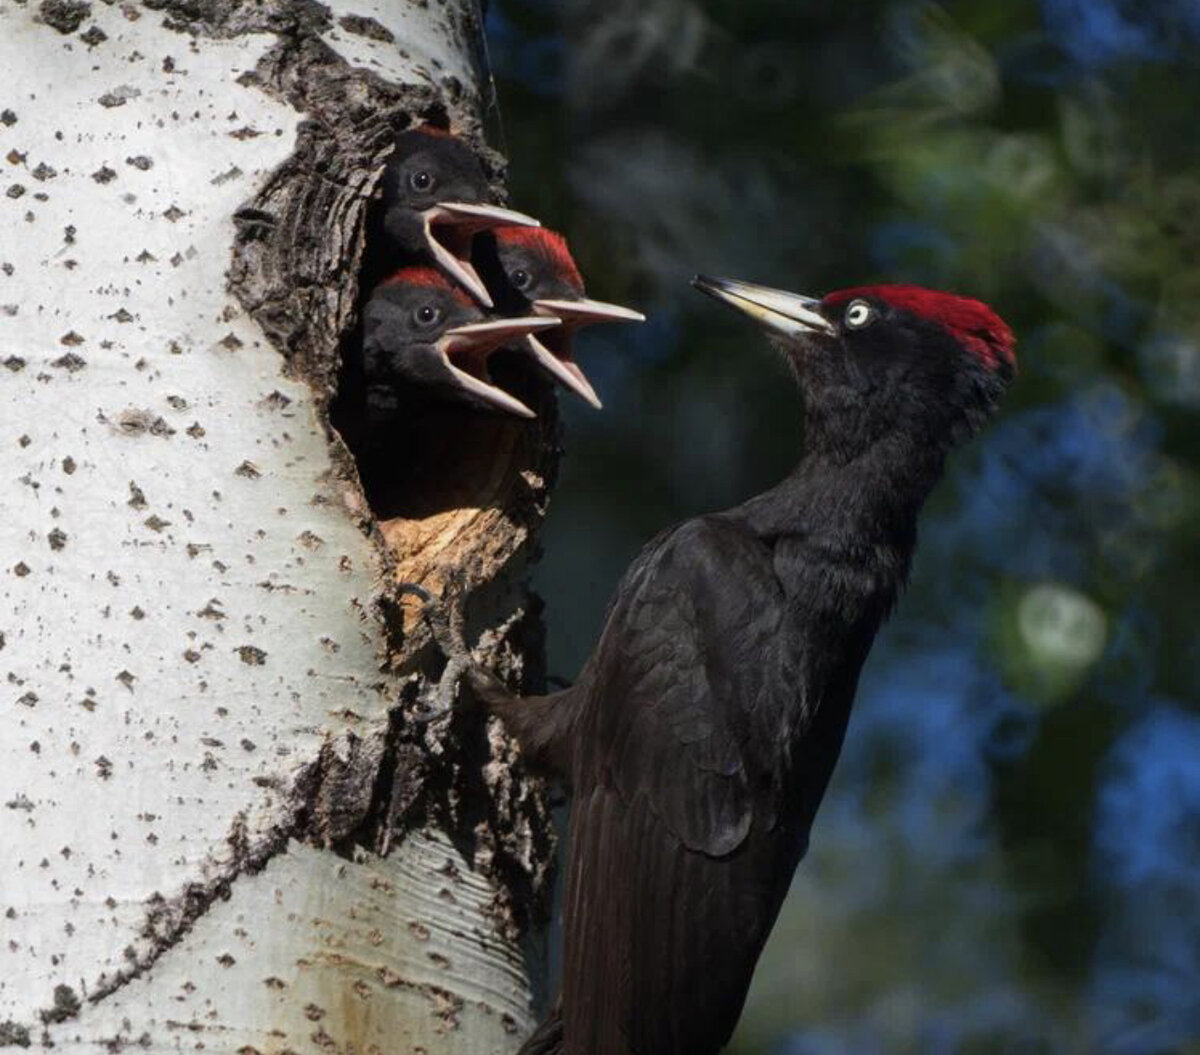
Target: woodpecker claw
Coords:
[(447, 630)]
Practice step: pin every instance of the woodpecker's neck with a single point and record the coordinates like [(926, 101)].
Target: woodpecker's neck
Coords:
[(860, 510)]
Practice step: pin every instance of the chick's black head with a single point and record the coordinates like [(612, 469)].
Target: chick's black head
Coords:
[(434, 203), (538, 273), (537, 265), (427, 167), (424, 335), (416, 305)]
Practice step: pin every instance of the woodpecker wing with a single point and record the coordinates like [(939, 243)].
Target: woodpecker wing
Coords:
[(677, 864)]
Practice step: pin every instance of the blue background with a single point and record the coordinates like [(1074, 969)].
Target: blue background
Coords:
[(1008, 859)]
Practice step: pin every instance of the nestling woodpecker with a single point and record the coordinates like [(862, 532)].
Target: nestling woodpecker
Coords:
[(700, 736), (539, 275), (435, 202), (424, 337)]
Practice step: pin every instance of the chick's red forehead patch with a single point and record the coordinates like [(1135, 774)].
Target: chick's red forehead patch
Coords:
[(549, 245), (973, 323), (429, 277)]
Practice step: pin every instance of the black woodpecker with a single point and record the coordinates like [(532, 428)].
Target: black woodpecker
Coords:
[(435, 202), (538, 275), (700, 736), (425, 339)]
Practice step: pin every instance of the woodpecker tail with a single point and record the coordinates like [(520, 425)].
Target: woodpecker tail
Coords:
[(547, 1039)]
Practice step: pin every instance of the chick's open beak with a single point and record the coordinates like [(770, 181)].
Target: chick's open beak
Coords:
[(787, 313), (449, 229), (554, 356), (584, 312), (562, 370), (465, 350)]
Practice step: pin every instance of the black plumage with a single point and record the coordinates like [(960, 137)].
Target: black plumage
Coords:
[(425, 340), (435, 200), (700, 736), (534, 272)]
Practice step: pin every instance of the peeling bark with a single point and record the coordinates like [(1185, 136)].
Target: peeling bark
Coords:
[(220, 823)]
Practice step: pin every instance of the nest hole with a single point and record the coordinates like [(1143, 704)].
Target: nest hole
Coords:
[(437, 456)]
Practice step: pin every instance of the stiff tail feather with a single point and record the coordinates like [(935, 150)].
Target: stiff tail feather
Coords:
[(547, 1039)]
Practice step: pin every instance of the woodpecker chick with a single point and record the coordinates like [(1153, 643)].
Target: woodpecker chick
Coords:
[(700, 736), (420, 329), (541, 276), (435, 202)]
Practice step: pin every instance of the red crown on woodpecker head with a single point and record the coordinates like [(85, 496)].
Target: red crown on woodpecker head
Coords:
[(971, 322), (429, 277), (549, 245)]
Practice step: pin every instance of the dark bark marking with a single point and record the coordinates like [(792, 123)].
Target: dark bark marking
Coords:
[(297, 253), (365, 26), (14, 1035), (64, 15)]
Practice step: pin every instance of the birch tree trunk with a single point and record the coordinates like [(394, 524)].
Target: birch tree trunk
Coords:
[(219, 827)]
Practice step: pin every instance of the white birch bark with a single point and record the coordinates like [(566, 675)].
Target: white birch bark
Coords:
[(217, 828)]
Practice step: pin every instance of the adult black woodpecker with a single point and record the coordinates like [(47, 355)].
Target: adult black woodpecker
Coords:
[(435, 202), (539, 275), (424, 338), (700, 736)]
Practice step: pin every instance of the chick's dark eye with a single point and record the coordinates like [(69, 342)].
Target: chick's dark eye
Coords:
[(427, 315), (520, 278), (420, 180)]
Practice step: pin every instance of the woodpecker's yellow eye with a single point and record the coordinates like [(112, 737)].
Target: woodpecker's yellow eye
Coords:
[(859, 314)]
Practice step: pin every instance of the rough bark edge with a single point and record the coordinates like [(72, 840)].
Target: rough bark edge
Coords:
[(367, 791), (318, 807), (303, 291)]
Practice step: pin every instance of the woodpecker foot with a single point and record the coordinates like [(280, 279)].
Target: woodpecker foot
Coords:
[(447, 629)]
